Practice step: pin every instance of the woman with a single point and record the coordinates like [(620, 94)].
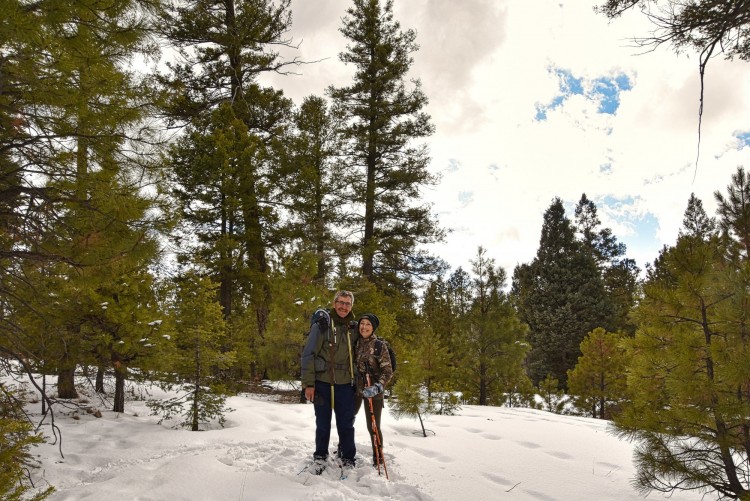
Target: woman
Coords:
[(372, 360)]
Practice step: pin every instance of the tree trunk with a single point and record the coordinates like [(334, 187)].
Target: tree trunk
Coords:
[(226, 270), (482, 384), (368, 250), (66, 383), (120, 373), (99, 384), (44, 394), (195, 413)]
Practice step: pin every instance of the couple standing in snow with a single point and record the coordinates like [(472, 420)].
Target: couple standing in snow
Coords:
[(342, 366)]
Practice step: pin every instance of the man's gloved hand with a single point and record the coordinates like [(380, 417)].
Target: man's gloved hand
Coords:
[(373, 390)]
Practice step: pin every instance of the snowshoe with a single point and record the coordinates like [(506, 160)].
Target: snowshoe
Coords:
[(318, 466)]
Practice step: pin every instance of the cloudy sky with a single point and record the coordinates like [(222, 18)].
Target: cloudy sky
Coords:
[(544, 99)]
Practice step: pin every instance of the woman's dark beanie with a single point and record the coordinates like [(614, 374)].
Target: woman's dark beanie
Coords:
[(374, 320)]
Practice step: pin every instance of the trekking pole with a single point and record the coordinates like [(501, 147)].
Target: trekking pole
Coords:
[(376, 436)]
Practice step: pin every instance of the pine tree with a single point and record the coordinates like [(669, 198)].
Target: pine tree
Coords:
[(493, 343), (460, 292), (553, 397), (438, 311), (81, 124), (384, 118), (696, 222), (522, 393), (619, 274), (689, 371), (199, 349), (561, 296), (296, 295), (431, 361), (424, 384), (229, 201), (319, 194), (411, 402), (734, 210), (17, 437), (597, 381)]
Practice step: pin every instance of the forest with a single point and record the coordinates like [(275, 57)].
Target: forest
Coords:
[(180, 226)]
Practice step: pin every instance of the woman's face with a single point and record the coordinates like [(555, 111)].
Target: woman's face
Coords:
[(365, 328)]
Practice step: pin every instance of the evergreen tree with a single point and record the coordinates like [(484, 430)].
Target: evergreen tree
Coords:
[(296, 295), (688, 375), (199, 350), (318, 193), (17, 437), (597, 381), (522, 393), (438, 312), (81, 124), (383, 119), (460, 292), (696, 222), (552, 396), (734, 210), (492, 344), (600, 242), (425, 381), (619, 274), (561, 296), (229, 201), (411, 402), (429, 362)]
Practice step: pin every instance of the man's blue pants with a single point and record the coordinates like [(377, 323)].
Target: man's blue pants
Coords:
[(344, 410)]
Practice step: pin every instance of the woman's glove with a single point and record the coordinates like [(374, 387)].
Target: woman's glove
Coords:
[(373, 390)]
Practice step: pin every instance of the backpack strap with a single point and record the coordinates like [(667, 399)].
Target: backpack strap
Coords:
[(351, 358), (378, 347)]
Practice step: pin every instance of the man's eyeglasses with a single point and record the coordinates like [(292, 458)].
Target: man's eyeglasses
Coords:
[(343, 303)]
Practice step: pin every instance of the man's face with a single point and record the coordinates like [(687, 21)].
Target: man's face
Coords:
[(342, 305)]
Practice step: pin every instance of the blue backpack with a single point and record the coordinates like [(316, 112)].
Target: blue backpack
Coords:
[(320, 312)]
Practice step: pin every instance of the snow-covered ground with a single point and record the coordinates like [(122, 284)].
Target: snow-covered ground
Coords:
[(484, 453)]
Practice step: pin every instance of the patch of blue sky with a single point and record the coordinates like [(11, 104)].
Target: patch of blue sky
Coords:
[(743, 138), (615, 202), (643, 237), (608, 90), (466, 197), (636, 230), (643, 227), (605, 90)]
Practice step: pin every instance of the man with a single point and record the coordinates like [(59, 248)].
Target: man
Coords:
[(328, 377)]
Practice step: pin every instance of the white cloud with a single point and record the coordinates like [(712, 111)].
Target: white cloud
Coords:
[(485, 66)]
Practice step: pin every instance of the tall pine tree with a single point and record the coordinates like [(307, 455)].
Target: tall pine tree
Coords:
[(387, 167), (620, 274), (561, 296), (318, 194), (492, 340), (689, 378), (226, 167), (81, 124)]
